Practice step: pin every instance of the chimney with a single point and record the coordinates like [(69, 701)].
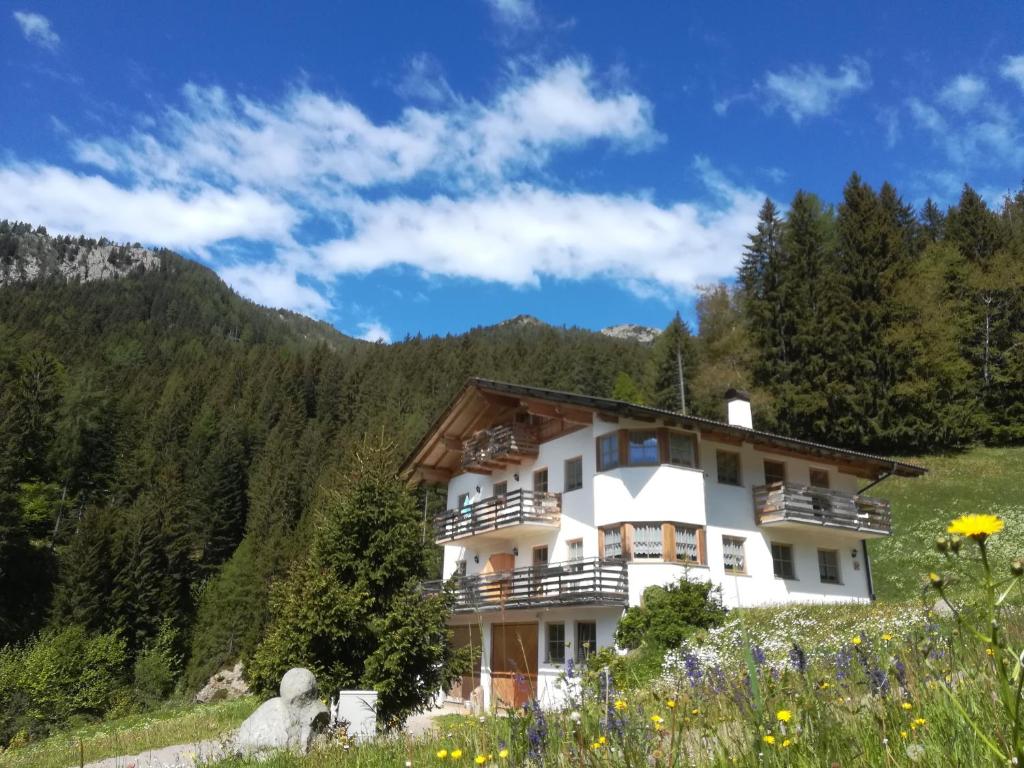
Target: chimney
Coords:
[(738, 405)]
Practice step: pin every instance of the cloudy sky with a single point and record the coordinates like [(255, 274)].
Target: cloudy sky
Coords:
[(404, 167)]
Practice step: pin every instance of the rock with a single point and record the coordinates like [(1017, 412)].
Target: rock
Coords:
[(290, 721), (226, 684)]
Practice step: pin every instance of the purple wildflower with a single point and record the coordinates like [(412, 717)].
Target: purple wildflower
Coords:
[(537, 731), (798, 659), (843, 660), (693, 671), (758, 654)]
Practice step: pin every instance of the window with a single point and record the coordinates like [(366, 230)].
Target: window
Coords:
[(612, 544), (460, 568), (500, 489), (828, 566), (782, 560), (643, 447), (556, 643), (728, 467), (464, 503), (540, 481), (575, 550), (574, 474), (732, 549), (540, 556), (646, 541), (819, 478), (682, 449), (586, 639), (687, 549), (774, 472), (608, 451)]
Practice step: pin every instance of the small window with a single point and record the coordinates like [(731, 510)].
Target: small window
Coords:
[(782, 560), (682, 449), (500, 490), (540, 556), (728, 467), (556, 643), (608, 451), (819, 478), (643, 447), (828, 566), (575, 550), (774, 472), (464, 503), (540, 481), (586, 639), (460, 568), (687, 549), (574, 474), (646, 541), (612, 544), (732, 549)]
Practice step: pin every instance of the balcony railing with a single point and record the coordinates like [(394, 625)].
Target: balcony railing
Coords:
[(492, 446), (791, 503), (520, 507), (578, 582)]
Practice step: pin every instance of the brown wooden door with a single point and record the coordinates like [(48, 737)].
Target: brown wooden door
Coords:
[(513, 664)]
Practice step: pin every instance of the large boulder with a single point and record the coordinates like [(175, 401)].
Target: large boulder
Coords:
[(290, 721), (226, 684)]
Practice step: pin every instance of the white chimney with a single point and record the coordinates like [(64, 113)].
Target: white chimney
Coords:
[(738, 403)]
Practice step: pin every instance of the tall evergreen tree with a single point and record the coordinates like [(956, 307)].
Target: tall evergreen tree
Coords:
[(674, 349)]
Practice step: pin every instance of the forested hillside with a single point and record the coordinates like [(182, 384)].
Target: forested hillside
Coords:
[(162, 441)]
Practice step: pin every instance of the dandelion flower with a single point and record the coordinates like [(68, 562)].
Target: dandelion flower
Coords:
[(990, 652), (977, 527), (786, 742), (442, 754), (480, 759), (856, 640), (903, 734), (620, 705), (671, 703), (602, 740), (595, 745), (824, 684), (886, 637), (783, 715), (920, 721), (456, 754), (907, 705), (694, 711), (657, 719), (768, 739), (503, 753)]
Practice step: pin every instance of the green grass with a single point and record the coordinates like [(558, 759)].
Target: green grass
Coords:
[(131, 734), (979, 480)]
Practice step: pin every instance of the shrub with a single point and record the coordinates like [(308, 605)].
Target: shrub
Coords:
[(158, 667), (669, 615)]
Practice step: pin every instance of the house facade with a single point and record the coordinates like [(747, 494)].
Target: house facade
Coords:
[(562, 509)]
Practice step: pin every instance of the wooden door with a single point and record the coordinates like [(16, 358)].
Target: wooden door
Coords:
[(467, 636), (513, 664)]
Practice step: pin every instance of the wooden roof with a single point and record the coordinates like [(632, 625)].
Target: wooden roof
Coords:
[(483, 403)]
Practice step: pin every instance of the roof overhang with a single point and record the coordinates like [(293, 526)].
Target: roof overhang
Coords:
[(482, 403)]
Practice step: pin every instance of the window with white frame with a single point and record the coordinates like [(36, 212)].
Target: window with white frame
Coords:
[(828, 566), (612, 544), (586, 639), (687, 548), (732, 551), (782, 560), (647, 541), (556, 643), (575, 549)]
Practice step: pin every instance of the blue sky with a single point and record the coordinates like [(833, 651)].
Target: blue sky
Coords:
[(404, 167)]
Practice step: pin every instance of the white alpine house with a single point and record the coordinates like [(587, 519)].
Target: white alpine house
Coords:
[(562, 509)]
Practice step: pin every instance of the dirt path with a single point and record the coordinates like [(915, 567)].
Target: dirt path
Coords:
[(176, 756)]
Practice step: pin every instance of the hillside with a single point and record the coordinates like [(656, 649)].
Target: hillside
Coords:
[(978, 480)]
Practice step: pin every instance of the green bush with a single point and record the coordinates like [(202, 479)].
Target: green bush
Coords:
[(669, 615), (158, 667), (59, 677)]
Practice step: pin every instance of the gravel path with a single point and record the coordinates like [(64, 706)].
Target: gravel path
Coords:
[(176, 756)]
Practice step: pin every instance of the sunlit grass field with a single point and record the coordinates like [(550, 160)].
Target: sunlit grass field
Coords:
[(131, 734)]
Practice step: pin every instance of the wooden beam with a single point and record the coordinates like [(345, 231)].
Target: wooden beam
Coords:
[(452, 443), (611, 418), (720, 437), (432, 474), (558, 411)]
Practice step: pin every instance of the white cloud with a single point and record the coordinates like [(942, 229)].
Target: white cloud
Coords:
[(514, 13), (424, 80), (989, 134), (36, 29), (889, 119), (373, 331), (275, 284), (963, 93), (809, 91), (1013, 69)]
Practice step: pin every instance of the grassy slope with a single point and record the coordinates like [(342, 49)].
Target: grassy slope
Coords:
[(987, 480), (131, 734)]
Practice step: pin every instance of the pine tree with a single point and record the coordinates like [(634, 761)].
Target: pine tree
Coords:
[(673, 349)]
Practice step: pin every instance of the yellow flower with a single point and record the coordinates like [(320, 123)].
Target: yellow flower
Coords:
[(671, 703), (978, 527), (769, 739), (657, 719), (990, 652), (480, 759), (903, 734), (595, 745), (456, 754), (886, 636), (920, 721), (620, 705), (856, 640), (907, 705), (602, 740), (786, 742), (442, 754), (783, 715), (824, 684), (694, 711), (503, 754)]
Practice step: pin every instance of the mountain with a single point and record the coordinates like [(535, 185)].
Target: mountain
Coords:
[(641, 333)]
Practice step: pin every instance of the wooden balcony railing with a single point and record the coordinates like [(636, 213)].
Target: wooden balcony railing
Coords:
[(520, 507), (789, 502), (491, 447), (579, 582)]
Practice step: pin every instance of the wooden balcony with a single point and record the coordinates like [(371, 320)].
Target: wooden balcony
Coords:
[(788, 505), (521, 509), (497, 447), (580, 582)]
